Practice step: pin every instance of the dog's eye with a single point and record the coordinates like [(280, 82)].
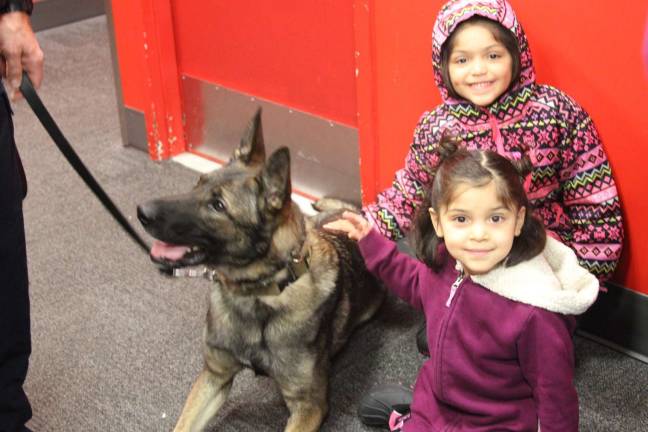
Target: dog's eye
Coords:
[(217, 205)]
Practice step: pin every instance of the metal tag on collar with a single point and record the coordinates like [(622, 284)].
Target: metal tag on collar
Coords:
[(297, 266), (191, 272)]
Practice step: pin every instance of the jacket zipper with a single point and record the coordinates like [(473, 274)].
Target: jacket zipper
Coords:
[(497, 135), (454, 287), (438, 373)]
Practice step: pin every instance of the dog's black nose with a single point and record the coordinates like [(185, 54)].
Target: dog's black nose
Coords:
[(143, 214)]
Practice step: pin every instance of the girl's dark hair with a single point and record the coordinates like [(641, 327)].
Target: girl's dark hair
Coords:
[(501, 35), (477, 168)]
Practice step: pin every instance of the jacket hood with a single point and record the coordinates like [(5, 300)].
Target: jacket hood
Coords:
[(552, 280), (454, 13)]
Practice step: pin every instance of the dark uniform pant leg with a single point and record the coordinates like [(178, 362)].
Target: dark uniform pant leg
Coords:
[(15, 340), (15, 336)]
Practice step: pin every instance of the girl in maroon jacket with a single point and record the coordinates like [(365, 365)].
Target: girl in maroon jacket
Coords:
[(499, 298)]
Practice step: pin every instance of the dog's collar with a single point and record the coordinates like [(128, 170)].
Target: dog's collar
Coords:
[(297, 266), (276, 282)]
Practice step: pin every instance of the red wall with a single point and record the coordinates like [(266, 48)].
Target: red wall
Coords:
[(366, 63), (294, 52), (128, 22), (303, 59)]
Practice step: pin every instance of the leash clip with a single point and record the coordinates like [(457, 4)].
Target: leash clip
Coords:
[(190, 272), (195, 272)]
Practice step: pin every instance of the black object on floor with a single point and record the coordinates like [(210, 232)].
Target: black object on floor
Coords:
[(376, 406)]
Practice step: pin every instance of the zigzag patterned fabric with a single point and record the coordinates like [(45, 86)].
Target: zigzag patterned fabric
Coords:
[(571, 186)]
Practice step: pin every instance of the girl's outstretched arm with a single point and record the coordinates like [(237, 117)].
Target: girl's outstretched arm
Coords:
[(400, 272)]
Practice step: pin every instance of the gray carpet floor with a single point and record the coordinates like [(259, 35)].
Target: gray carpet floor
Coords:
[(116, 345)]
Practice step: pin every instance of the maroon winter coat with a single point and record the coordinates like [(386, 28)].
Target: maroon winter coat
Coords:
[(501, 352)]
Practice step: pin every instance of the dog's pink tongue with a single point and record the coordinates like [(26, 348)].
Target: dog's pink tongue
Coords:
[(168, 251)]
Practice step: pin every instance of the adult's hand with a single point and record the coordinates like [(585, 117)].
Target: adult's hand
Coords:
[(19, 51)]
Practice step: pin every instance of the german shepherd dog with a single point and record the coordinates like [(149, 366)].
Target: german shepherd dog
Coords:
[(286, 294)]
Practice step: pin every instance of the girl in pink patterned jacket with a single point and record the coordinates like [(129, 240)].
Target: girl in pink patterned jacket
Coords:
[(483, 69)]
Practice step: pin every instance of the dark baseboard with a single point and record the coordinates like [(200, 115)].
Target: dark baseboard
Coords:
[(53, 13), (619, 319)]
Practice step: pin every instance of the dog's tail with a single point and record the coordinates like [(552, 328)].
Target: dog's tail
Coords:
[(330, 209), (334, 205)]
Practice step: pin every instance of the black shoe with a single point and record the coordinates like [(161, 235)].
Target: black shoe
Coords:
[(422, 341), (376, 407)]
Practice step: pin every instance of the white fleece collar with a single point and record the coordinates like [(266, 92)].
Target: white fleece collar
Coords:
[(552, 280)]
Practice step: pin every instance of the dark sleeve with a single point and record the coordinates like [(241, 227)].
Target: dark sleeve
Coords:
[(546, 354), (394, 208), (13, 184), (16, 5), (400, 272)]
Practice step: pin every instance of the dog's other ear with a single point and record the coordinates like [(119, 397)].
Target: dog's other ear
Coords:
[(251, 150), (276, 179)]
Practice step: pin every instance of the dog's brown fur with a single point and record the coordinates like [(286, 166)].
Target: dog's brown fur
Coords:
[(244, 227)]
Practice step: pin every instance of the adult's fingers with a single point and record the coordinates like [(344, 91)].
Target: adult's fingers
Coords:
[(13, 68), (33, 64)]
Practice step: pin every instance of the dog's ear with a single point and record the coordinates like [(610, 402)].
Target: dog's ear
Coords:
[(276, 179), (251, 150)]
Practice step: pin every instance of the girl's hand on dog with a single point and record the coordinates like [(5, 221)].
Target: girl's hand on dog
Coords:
[(353, 225)]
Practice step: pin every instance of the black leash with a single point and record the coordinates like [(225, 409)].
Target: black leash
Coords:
[(27, 89)]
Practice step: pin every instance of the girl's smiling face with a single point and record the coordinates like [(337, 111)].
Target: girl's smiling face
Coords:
[(480, 68), (477, 228)]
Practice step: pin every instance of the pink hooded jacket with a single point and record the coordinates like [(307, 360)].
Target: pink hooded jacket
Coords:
[(571, 186)]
